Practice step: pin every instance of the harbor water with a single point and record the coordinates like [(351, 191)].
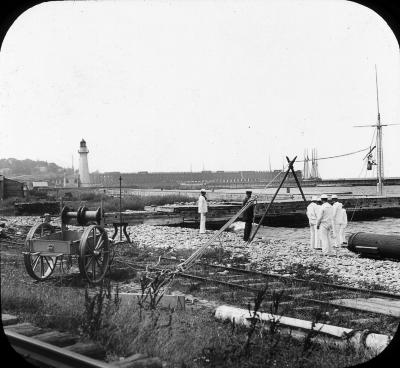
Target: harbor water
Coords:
[(237, 194)]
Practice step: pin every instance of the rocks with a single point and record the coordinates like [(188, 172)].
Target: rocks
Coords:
[(276, 250)]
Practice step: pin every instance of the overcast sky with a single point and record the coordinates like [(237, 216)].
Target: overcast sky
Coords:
[(214, 85)]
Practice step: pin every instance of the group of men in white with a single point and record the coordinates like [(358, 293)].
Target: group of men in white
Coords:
[(327, 223)]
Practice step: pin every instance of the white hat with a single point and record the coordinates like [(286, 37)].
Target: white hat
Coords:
[(334, 196), (314, 198), (203, 190), (324, 196)]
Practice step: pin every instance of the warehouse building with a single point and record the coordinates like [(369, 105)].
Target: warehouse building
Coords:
[(10, 188)]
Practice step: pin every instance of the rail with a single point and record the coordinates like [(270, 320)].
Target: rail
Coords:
[(51, 355)]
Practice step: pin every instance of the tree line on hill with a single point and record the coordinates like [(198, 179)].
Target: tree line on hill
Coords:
[(13, 166)]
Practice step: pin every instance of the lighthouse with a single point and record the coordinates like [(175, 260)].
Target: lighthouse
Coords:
[(84, 177)]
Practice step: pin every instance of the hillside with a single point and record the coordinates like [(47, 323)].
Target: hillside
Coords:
[(12, 166)]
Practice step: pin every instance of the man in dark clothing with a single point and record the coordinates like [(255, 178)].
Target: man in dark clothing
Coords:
[(248, 215)]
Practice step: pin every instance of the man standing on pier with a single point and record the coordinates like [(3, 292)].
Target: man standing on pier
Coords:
[(202, 206), (324, 225), (336, 216), (248, 215), (312, 214)]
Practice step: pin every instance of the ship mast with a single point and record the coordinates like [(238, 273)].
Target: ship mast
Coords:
[(379, 149)]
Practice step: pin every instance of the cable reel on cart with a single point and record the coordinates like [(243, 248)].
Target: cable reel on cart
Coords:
[(46, 247)]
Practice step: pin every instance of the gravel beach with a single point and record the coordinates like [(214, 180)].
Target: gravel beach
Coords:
[(274, 249)]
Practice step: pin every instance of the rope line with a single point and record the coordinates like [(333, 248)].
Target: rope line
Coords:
[(279, 173), (345, 154)]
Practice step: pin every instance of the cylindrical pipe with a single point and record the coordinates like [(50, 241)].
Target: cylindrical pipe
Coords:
[(82, 216), (375, 245), (375, 342)]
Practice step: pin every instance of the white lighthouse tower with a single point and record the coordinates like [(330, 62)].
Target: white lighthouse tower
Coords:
[(84, 177)]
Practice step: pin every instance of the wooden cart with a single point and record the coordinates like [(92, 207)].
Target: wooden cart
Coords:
[(46, 247)]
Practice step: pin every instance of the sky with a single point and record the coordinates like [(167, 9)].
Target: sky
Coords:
[(199, 85)]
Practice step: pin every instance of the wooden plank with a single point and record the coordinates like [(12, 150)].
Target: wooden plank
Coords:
[(164, 221), (26, 329), (90, 349), (306, 308), (167, 301), (8, 319), (369, 306), (53, 246), (50, 355), (57, 338), (386, 302), (376, 302), (364, 321), (144, 217), (144, 363), (125, 363)]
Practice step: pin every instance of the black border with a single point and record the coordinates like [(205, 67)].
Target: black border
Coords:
[(389, 10)]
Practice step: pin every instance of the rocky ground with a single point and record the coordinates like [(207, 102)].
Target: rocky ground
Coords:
[(274, 250)]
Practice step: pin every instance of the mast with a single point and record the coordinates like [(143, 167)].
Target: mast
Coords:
[(379, 147), (379, 150)]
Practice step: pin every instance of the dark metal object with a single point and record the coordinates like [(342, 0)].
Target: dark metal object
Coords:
[(51, 355), (122, 227), (82, 216), (121, 224), (375, 245)]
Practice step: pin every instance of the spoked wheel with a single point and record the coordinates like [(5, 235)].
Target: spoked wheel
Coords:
[(38, 266), (94, 254)]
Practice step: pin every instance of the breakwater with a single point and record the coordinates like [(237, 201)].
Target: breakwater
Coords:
[(283, 212), (290, 213)]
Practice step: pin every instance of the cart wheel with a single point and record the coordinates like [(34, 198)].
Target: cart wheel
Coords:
[(94, 254), (39, 267)]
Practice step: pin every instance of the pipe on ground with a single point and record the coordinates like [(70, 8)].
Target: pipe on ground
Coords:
[(375, 245), (342, 336)]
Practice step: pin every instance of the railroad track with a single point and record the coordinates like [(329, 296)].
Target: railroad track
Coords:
[(63, 350), (356, 308)]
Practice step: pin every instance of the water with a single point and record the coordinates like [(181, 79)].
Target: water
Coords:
[(264, 193), (344, 190)]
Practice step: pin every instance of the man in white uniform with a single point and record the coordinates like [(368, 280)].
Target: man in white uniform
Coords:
[(318, 210), (202, 205), (342, 225), (324, 225), (312, 214), (336, 215)]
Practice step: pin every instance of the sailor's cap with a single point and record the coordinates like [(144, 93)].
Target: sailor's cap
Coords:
[(334, 196), (314, 198), (203, 190), (324, 196)]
